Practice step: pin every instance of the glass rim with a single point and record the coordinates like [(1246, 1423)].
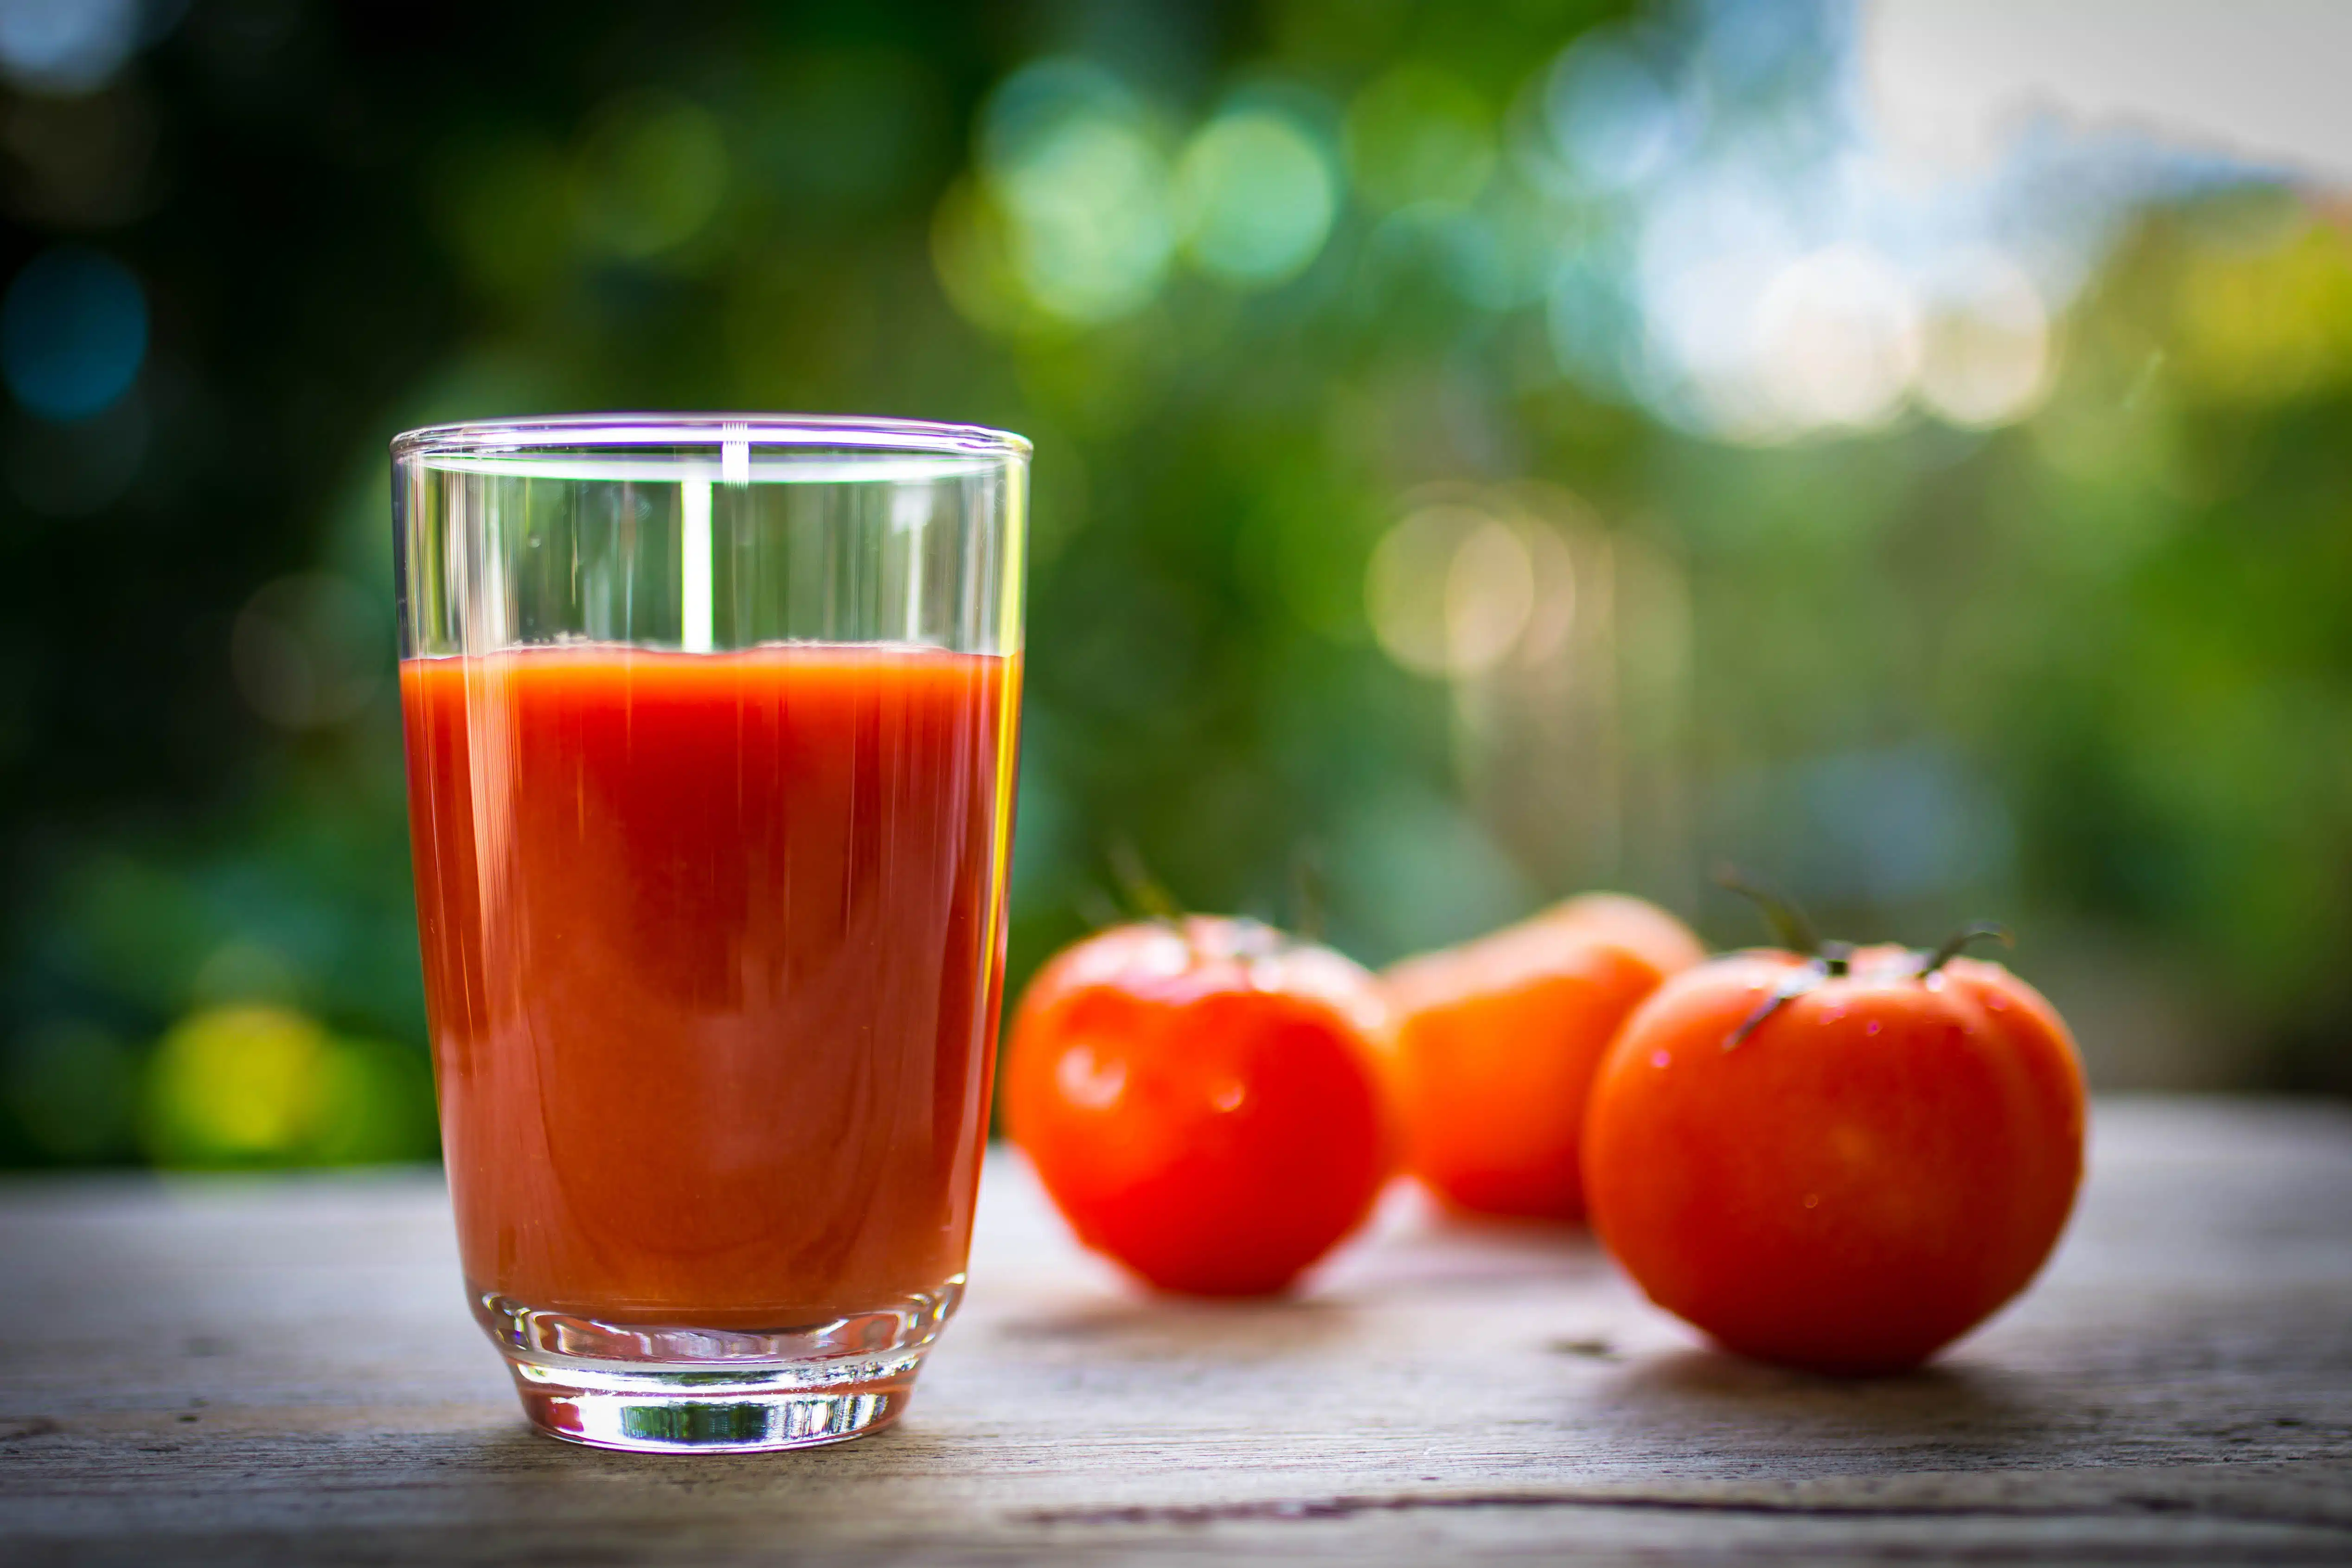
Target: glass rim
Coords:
[(556, 435)]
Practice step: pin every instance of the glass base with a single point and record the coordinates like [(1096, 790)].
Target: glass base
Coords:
[(707, 1412), (673, 1388)]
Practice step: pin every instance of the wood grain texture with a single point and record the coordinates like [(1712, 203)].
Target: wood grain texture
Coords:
[(282, 1371)]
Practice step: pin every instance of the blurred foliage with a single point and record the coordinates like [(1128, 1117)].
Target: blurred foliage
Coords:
[(1365, 533)]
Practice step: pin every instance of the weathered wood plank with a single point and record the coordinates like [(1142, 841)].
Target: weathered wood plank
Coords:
[(283, 1371)]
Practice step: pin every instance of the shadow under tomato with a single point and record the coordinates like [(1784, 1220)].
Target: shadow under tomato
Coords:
[(1439, 1254), (1169, 1327), (1942, 1413)]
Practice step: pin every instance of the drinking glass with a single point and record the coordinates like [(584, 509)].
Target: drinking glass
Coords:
[(711, 726)]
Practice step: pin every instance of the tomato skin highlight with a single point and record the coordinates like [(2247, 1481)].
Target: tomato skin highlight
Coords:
[(1876, 1167), (1201, 1100), (1495, 1043)]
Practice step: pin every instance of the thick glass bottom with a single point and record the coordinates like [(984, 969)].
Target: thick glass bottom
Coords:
[(676, 1388), (707, 1412)]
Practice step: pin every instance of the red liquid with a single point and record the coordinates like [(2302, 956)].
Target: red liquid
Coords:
[(712, 949)]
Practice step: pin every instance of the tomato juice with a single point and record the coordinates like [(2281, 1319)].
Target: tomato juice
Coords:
[(712, 943)]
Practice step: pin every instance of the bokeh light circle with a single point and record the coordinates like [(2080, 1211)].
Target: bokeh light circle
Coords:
[(1074, 166), (1254, 198), (308, 649), (65, 47), (650, 174), (1613, 118), (73, 333), (1985, 357), (1419, 134), (1838, 339), (236, 1085), (1450, 591), (1091, 234)]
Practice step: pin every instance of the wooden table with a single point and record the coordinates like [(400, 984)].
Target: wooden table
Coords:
[(282, 1371)]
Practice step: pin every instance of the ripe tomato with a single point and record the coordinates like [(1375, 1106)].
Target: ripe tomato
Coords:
[(1495, 1043), (1636, 924), (1839, 1164), (1202, 1099)]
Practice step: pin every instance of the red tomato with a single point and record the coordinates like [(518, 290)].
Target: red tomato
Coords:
[(1201, 1099), (1846, 1178), (1636, 924), (1495, 1043)]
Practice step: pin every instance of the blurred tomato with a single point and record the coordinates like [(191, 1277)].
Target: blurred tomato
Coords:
[(1495, 1041), (1201, 1098)]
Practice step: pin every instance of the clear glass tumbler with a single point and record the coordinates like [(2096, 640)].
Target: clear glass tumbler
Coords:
[(711, 726)]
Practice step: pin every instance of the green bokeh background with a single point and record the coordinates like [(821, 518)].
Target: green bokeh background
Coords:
[(1275, 289)]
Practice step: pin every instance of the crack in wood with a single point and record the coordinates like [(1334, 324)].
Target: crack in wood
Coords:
[(1350, 1506)]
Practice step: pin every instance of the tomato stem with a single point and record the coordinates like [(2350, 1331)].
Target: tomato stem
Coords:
[(1958, 940), (1145, 894), (1309, 898), (1788, 922), (1098, 909), (1795, 984)]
